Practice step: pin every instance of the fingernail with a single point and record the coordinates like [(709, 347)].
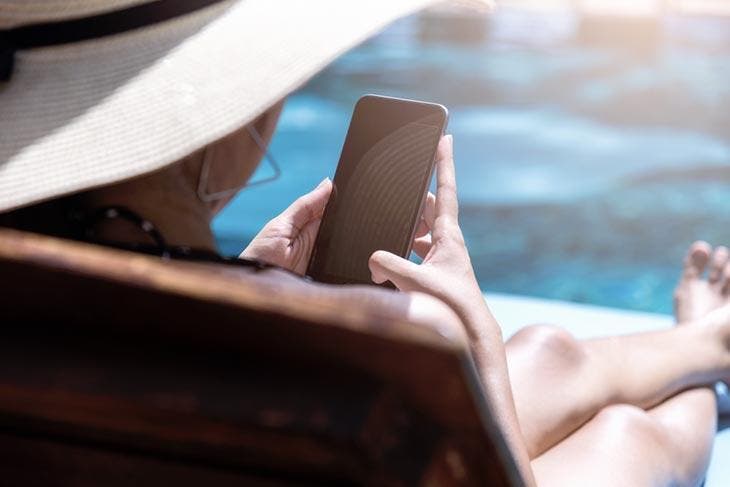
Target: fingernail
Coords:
[(324, 181), (450, 138)]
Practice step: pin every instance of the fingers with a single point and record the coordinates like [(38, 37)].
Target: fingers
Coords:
[(421, 230), (309, 206), (385, 266), (422, 245), (425, 224), (446, 201), (429, 210)]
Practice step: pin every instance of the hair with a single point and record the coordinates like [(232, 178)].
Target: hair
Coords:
[(54, 217)]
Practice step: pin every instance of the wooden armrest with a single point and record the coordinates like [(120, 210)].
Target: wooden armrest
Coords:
[(116, 362)]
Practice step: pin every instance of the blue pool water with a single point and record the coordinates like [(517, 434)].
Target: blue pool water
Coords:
[(584, 169)]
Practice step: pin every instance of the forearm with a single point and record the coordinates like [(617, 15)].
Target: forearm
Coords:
[(446, 273), (487, 347)]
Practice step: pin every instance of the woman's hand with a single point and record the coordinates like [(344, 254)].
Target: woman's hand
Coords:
[(446, 273), (288, 239), (446, 270)]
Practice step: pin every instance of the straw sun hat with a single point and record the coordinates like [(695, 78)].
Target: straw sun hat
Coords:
[(97, 91)]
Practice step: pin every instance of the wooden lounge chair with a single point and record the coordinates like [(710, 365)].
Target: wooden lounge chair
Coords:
[(123, 369)]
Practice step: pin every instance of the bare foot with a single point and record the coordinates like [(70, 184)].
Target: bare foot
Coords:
[(695, 295), (706, 302), (719, 320)]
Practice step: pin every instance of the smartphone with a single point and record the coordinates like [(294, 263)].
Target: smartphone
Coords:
[(379, 187)]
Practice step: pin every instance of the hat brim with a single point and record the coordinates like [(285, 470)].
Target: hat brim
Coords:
[(84, 115)]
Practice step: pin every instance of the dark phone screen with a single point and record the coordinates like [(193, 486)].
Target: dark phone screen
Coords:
[(380, 183)]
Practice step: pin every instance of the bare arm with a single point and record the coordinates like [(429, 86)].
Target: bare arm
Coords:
[(447, 273)]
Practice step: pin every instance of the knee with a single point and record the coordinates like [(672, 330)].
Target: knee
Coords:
[(643, 444), (549, 344), (631, 427)]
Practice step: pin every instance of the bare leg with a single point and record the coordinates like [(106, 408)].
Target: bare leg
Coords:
[(669, 444), (560, 383), (560, 392), (627, 446)]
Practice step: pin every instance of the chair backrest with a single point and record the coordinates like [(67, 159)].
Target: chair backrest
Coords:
[(122, 369)]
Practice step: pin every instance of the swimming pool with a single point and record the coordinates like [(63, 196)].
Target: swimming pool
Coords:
[(584, 170)]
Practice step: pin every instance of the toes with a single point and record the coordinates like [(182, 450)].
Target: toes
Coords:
[(717, 265), (725, 280), (696, 260)]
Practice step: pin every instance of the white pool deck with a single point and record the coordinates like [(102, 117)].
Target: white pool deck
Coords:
[(583, 321)]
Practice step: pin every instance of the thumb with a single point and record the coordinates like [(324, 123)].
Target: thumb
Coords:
[(385, 266), (310, 206)]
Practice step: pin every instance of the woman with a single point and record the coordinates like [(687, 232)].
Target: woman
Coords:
[(634, 410)]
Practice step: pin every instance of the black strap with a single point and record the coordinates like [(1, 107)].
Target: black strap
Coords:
[(76, 30), (91, 221)]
